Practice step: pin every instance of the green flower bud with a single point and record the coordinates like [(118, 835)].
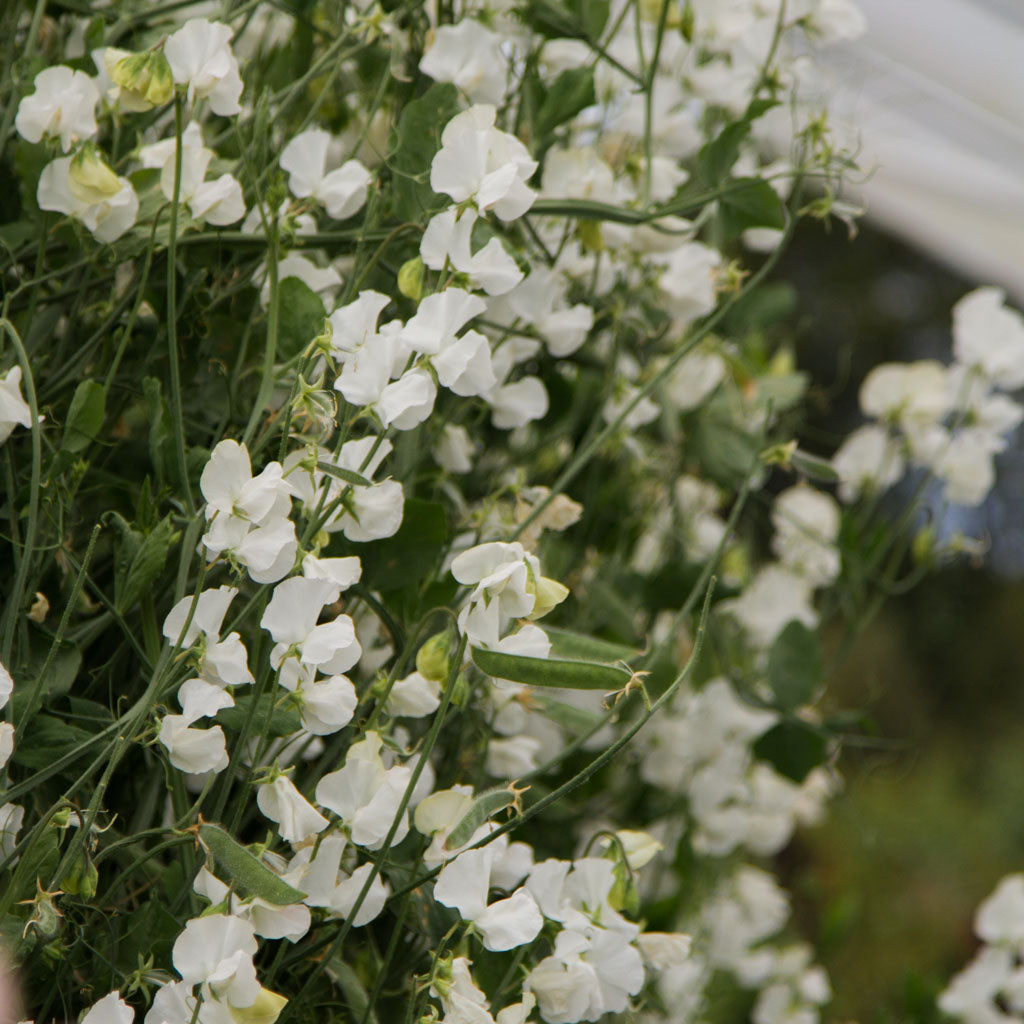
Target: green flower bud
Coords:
[(90, 179), (81, 880), (548, 593), (145, 77), (410, 278), (432, 658)]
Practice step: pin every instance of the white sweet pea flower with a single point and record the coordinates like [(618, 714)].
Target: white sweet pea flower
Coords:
[(342, 572), (516, 404), (317, 871), (6, 742), (439, 319), (365, 794), (84, 187), (355, 324), (297, 819), (408, 401), (111, 1009), (773, 598), (63, 106), (324, 281), (469, 56), (540, 300), (687, 283), (200, 699), (291, 619), (247, 515), (200, 57), (464, 884), (478, 161), (868, 461), (342, 191), (217, 951), (194, 751), (447, 241), (325, 705), (219, 202), (11, 818), (6, 685), (454, 449), (461, 1000), (415, 696), (502, 575), (14, 410), (806, 525), (267, 919), (989, 335)]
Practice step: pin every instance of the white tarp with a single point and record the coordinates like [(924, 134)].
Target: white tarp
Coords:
[(936, 88)]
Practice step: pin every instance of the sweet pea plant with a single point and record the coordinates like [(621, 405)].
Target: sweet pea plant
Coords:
[(413, 576)]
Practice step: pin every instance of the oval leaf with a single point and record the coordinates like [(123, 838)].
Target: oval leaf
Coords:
[(571, 675), (252, 876), (795, 666), (486, 804), (85, 416)]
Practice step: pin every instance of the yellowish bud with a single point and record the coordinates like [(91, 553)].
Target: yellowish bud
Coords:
[(548, 593), (147, 77), (410, 278), (265, 1010), (90, 179)]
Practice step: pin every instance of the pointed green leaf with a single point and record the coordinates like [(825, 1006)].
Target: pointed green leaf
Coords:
[(85, 416), (795, 666)]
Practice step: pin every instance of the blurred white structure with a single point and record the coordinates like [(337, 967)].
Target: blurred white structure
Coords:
[(936, 88)]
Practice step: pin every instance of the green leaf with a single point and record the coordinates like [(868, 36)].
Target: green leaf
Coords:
[(814, 467), (556, 672), (795, 666), (483, 807), (575, 19), (161, 432), (46, 740), (350, 476), (412, 553), (282, 721), (85, 416), (793, 748), (147, 563), (754, 204), (717, 157), (301, 315), (571, 92), (252, 876), (416, 140), (579, 647), (726, 451)]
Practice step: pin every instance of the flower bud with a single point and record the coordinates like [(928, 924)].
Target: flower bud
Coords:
[(89, 178), (432, 658), (548, 593), (410, 278), (265, 1010), (146, 78)]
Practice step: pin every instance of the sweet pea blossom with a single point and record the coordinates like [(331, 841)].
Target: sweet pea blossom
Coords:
[(318, 871), (14, 410), (63, 106), (297, 819), (216, 951), (111, 1009), (478, 161), (200, 57), (470, 56), (463, 885), (342, 192), (85, 188), (219, 202)]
